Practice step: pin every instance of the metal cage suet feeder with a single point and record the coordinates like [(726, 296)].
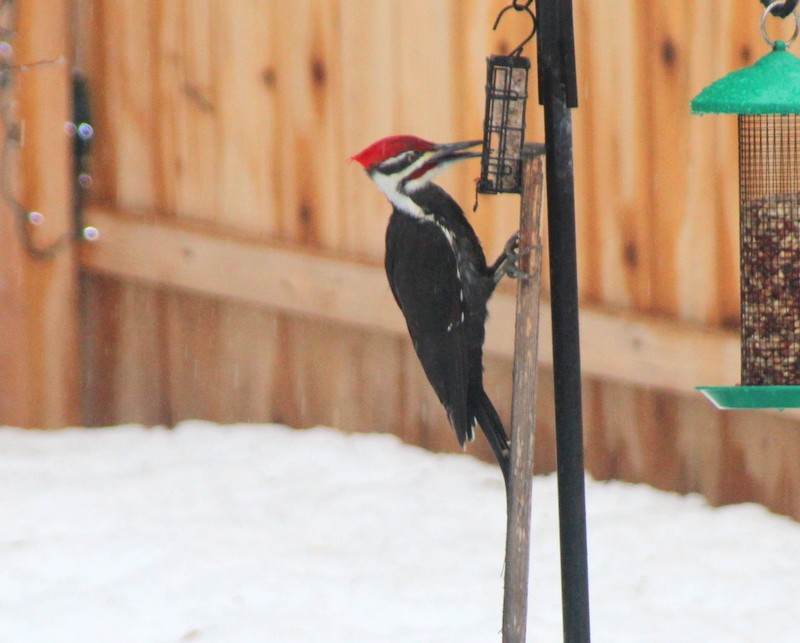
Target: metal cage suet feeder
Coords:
[(766, 99), (504, 120), (504, 125)]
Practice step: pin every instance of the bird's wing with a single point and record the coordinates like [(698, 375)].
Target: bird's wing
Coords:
[(421, 268)]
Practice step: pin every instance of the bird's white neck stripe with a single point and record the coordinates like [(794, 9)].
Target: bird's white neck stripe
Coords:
[(389, 183), (401, 201), (406, 204)]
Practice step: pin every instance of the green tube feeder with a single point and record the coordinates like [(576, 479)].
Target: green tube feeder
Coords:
[(766, 99)]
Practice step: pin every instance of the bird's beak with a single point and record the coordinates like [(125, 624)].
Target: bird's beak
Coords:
[(447, 152)]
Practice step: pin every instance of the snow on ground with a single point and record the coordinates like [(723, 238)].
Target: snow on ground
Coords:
[(261, 533)]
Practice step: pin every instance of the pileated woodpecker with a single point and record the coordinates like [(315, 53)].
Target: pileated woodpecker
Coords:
[(440, 279)]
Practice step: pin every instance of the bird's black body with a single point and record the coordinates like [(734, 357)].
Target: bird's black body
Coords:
[(438, 275)]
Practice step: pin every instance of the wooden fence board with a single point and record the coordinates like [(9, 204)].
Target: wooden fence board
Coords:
[(368, 113), (125, 374), (121, 66), (249, 338), (39, 353)]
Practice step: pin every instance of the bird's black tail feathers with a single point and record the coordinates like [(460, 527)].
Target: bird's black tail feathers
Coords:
[(495, 434)]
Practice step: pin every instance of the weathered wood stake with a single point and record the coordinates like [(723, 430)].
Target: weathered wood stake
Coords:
[(523, 407)]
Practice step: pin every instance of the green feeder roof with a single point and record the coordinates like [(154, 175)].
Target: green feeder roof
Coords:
[(770, 86)]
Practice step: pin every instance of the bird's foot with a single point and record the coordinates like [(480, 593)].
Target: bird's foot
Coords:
[(507, 263)]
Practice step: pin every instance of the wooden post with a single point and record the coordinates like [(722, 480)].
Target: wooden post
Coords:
[(523, 406), (39, 356)]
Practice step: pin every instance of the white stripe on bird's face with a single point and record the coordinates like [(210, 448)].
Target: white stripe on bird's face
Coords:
[(397, 187), (391, 177)]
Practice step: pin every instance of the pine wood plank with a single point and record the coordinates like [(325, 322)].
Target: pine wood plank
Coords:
[(612, 157), (121, 63), (39, 351), (619, 345), (329, 375), (699, 437), (125, 377), (368, 98), (248, 373)]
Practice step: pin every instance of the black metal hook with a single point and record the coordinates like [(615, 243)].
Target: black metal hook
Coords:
[(783, 11), (518, 6)]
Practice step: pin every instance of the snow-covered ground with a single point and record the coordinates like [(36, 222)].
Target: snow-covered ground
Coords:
[(261, 533)]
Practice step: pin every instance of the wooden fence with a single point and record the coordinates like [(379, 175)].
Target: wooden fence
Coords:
[(238, 273)]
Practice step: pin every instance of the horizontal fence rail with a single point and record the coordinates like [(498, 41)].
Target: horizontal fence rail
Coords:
[(626, 347)]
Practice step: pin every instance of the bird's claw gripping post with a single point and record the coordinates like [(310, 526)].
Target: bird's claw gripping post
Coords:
[(506, 265)]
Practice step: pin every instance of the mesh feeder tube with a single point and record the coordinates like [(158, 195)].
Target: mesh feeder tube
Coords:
[(769, 210), (766, 99)]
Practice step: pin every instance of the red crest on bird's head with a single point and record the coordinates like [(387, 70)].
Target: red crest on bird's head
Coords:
[(391, 146)]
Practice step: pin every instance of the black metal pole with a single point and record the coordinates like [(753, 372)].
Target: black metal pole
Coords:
[(557, 93)]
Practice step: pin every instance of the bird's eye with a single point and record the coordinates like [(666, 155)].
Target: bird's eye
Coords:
[(411, 155)]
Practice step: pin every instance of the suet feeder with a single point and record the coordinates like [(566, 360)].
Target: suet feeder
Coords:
[(504, 120), (504, 124), (766, 99)]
